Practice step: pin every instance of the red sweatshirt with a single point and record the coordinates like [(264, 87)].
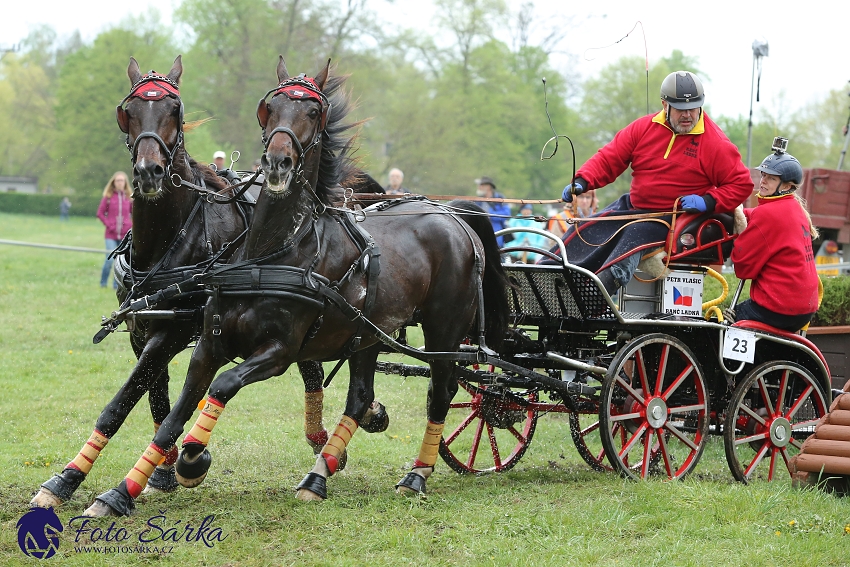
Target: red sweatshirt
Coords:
[(666, 165), (775, 252)]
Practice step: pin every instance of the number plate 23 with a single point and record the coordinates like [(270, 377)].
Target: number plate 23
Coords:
[(739, 345)]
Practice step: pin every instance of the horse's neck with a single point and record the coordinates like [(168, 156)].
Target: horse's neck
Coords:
[(276, 222), (156, 223)]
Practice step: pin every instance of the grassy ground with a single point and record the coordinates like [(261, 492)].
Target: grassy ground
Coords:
[(549, 510)]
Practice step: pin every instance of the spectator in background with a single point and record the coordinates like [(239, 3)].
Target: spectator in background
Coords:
[(526, 220), (396, 176), (218, 160), (65, 209), (256, 165), (114, 212), (499, 212), (583, 206)]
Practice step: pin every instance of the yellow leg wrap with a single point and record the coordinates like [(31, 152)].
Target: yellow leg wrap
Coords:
[(89, 453), (200, 432), (138, 477), (338, 441), (430, 444), (313, 404)]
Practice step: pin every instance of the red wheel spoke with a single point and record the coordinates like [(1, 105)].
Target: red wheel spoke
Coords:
[(641, 370), (647, 454), (665, 454), (633, 441), (476, 442), (765, 396), (683, 409), (459, 429), (625, 416), (780, 399), (590, 429), (772, 466), (494, 447), (662, 369), (677, 382), (798, 403), (757, 459), (784, 452), (751, 438), (519, 436), (748, 410), (681, 436), (634, 393)]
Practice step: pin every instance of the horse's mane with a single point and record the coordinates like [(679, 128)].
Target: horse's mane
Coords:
[(337, 165), (214, 181)]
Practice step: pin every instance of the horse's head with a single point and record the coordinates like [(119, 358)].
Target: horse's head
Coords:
[(293, 116), (152, 117)]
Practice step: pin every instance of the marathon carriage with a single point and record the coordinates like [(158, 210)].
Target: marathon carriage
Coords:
[(643, 376)]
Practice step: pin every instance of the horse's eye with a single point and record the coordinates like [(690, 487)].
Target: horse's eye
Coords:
[(313, 113)]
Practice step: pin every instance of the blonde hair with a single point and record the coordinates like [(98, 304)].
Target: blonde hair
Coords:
[(813, 230), (109, 190)]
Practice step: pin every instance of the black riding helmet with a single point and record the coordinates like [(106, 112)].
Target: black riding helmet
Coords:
[(785, 166), (682, 90)]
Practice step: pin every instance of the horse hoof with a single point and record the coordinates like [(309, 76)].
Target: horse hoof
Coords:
[(45, 499), (100, 510), (313, 487), (413, 484), (376, 419), (191, 471), (163, 479)]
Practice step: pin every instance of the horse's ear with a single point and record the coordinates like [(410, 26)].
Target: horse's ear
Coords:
[(176, 69), (282, 73), (123, 119), (263, 113), (323, 76), (133, 71)]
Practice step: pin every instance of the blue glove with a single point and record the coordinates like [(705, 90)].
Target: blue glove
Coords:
[(577, 187), (693, 204)]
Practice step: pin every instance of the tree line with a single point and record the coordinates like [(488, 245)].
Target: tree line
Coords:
[(445, 112)]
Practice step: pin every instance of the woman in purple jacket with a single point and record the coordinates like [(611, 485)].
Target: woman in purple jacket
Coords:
[(115, 213)]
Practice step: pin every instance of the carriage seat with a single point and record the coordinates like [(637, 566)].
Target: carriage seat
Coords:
[(700, 238), (765, 328)]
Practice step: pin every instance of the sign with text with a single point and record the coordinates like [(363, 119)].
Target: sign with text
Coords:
[(739, 345), (683, 294)]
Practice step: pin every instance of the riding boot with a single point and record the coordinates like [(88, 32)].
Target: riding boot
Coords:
[(609, 282)]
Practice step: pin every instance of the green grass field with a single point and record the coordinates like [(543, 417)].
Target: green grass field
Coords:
[(551, 509)]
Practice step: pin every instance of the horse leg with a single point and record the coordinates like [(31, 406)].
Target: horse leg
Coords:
[(120, 501), (272, 359), (153, 359), (441, 389), (162, 479), (361, 394)]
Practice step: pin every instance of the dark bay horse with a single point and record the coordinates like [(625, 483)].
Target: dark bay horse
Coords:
[(418, 259), (174, 229)]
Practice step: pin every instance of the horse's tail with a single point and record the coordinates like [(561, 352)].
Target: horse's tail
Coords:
[(494, 281)]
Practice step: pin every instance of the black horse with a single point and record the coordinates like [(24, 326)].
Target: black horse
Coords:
[(316, 274), (175, 231)]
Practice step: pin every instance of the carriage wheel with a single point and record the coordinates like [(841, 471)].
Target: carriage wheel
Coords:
[(488, 428), (585, 431), (772, 411), (654, 410)]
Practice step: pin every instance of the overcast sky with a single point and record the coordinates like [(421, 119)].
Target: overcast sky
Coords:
[(809, 42)]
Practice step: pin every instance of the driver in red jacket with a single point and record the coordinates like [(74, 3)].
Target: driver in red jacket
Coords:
[(775, 250), (678, 152)]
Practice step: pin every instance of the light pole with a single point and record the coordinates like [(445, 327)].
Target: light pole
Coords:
[(759, 50), (846, 141)]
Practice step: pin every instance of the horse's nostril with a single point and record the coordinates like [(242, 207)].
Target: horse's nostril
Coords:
[(158, 172)]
